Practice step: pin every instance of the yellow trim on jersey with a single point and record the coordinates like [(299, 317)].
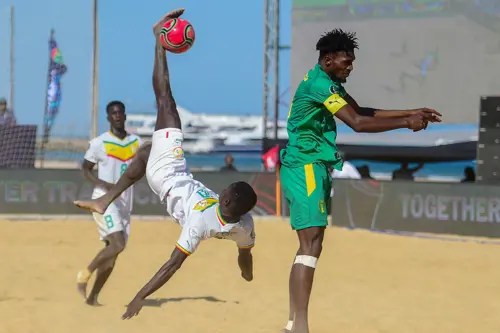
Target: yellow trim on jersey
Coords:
[(116, 137), (310, 179), (334, 103), (121, 152), (219, 216), (289, 110), (183, 250)]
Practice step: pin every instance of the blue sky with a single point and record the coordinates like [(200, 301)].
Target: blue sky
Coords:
[(222, 73)]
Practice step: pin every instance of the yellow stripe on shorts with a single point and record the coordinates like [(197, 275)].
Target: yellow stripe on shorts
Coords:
[(310, 180)]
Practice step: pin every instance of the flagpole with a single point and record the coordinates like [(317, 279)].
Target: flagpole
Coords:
[(45, 137), (12, 52), (95, 72)]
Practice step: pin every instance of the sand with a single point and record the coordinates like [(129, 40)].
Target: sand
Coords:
[(365, 282)]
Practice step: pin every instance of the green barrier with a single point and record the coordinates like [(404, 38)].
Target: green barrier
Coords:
[(459, 209), (53, 191)]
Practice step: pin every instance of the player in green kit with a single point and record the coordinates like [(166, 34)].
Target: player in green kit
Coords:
[(311, 152)]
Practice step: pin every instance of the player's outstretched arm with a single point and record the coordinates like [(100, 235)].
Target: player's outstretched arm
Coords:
[(158, 280), (245, 261), (366, 124), (429, 115)]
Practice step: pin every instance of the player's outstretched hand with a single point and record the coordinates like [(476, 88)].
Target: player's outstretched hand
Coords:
[(170, 15), (133, 308), (415, 122), (429, 115)]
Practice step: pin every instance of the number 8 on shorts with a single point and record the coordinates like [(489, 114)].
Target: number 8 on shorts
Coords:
[(109, 221)]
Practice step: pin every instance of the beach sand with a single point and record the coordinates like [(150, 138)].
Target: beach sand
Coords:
[(365, 282)]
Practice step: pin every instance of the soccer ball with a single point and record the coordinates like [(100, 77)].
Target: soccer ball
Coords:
[(177, 35)]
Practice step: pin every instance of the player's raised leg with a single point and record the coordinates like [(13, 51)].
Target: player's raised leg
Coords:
[(133, 174), (167, 114), (166, 161), (167, 117)]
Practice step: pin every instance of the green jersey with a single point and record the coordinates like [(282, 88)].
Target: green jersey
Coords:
[(311, 127)]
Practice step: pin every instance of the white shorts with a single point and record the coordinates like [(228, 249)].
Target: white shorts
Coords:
[(168, 174), (113, 220)]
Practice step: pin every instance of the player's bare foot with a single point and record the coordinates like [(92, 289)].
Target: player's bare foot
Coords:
[(82, 289), (173, 14), (92, 302), (93, 206)]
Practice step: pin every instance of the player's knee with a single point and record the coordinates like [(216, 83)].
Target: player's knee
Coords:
[(314, 249), (117, 248), (110, 264), (117, 243), (311, 242), (166, 104)]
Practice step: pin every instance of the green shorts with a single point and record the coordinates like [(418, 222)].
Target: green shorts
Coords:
[(307, 190)]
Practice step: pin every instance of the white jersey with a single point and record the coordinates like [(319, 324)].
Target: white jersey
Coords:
[(189, 202), (113, 156), (202, 220)]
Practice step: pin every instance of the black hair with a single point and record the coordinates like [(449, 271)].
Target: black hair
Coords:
[(244, 197), (115, 103), (336, 40)]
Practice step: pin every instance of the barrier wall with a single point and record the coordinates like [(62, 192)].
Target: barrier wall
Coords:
[(46, 191), (460, 209)]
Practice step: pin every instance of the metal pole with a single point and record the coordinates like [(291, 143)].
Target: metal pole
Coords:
[(276, 49), (95, 72), (12, 52), (265, 96)]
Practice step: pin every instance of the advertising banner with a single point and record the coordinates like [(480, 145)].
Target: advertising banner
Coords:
[(53, 191), (459, 209)]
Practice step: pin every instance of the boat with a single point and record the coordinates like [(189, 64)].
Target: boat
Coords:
[(205, 133)]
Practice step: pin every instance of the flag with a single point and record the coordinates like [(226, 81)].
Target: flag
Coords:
[(271, 158), (56, 70)]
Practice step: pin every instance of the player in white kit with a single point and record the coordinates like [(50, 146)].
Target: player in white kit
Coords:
[(201, 213), (112, 152)]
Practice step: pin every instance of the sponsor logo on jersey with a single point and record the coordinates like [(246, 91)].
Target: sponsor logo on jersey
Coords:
[(178, 141), (333, 91), (178, 153), (204, 204)]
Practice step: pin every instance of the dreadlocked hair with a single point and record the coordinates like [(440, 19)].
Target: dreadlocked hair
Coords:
[(337, 40)]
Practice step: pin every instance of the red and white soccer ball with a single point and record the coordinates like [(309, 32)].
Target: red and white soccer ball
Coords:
[(177, 35)]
